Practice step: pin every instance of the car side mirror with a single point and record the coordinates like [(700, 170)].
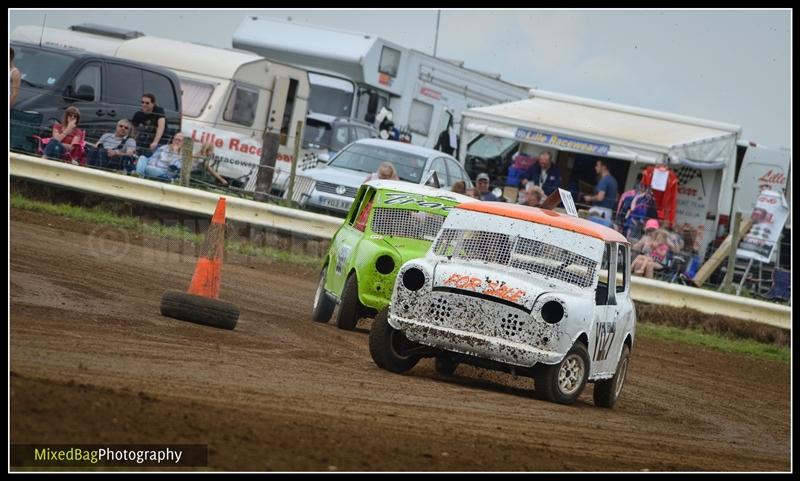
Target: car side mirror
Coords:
[(84, 92), (432, 179)]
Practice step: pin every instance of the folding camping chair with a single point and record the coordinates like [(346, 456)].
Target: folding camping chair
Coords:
[(781, 286)]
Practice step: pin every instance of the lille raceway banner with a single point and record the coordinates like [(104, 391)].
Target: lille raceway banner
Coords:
[(236, 156)]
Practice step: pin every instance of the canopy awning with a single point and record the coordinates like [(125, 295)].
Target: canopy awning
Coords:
[(605, 129)]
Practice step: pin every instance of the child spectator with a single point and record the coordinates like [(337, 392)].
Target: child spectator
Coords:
[(654, 247), (202, 169)]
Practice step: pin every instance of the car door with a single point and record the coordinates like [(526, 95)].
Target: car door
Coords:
[(168, 97), (612, 318), (123, 92), (345, 244)]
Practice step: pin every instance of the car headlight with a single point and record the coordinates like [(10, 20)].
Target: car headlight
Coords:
[(552, 311), (384, 264), (413, 279)]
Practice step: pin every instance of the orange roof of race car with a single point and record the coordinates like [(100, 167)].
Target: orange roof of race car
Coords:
[(546, 217)]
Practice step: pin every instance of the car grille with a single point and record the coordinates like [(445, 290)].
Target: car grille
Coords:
[(330, 188), (517, 252), (407, 223)]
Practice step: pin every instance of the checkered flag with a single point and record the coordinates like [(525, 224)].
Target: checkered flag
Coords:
[(687, 174)]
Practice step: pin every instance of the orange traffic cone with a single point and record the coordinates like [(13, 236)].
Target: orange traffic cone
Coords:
[(201, 304), (207, 273)]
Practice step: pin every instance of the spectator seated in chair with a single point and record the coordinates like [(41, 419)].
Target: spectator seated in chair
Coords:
[(164, 164), (201, 167), (115, 150), (781, 286), (68, 141), (654, 248)]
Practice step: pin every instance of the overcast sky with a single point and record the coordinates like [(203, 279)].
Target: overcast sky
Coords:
[(726, 65)]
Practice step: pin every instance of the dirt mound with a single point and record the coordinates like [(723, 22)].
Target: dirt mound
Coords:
[(712, 323)]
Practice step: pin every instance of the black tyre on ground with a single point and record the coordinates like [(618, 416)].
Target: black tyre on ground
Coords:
[(350, 308), (389, 347), (444, 365), (606, 392), (323, 304), (200, 310), (563, 382)]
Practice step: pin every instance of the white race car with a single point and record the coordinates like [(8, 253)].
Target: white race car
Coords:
[(520, 289)]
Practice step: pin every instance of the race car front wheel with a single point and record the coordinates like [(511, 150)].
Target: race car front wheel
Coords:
[(389, 347), (563, 383)]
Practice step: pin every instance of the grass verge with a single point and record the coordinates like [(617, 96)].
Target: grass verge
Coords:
[(714, 341), (98, 215)]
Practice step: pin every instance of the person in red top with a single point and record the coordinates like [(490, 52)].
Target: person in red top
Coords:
[(666, 198), (67, 141)]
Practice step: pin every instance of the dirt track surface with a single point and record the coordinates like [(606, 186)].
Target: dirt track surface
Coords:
[(93, 361)]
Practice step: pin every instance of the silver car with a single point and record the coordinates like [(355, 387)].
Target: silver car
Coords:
[(337, 182)]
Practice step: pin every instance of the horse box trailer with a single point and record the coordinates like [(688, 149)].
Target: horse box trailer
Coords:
[(357, 75), (229, 98)]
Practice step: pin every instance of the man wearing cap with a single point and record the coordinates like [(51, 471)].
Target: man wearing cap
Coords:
[(482, 183)]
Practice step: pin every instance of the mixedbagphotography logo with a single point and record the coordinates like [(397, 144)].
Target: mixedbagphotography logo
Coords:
[(108, 455)]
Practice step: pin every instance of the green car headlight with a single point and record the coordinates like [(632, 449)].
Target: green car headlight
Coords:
[(384, 264)]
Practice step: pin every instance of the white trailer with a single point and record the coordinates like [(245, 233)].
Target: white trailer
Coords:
[(418, 88), (229, 98)]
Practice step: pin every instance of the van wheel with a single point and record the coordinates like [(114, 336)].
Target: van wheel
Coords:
[(563, 383), (323, 305), (607, 391), (350, 308), (444, 365), (389, 347)]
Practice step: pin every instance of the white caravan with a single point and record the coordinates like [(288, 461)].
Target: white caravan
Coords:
[(356, 74), (229, 98)]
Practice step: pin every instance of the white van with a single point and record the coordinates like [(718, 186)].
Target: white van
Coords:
[(229, 98)]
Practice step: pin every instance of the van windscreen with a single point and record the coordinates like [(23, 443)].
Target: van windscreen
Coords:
[(40, 68)]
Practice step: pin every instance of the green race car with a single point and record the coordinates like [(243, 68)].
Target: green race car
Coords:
[(389, 223)]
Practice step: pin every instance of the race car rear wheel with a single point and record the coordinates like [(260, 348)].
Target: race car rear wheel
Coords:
[(350, 308), (323, 304), (606, 392), (563, 383), (389, 348)]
